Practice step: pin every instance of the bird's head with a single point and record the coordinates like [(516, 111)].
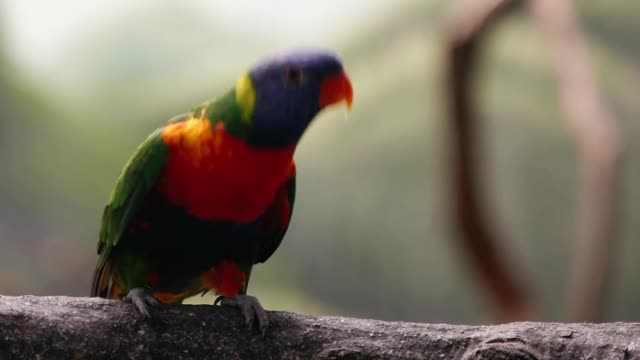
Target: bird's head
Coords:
[(281, 95)]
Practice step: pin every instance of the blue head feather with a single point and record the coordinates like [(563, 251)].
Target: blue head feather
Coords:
[(287, 91)]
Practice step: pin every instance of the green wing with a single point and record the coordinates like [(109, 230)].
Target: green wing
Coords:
[(276, 220), (137, 177)]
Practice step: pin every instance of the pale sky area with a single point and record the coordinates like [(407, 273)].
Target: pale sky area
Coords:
[(37, 30)]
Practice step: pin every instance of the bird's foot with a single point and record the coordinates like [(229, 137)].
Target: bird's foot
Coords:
[(251, 309), (142, 299)]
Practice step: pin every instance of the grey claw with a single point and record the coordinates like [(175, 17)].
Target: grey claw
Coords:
[(263, 321), (247, 311), (251, 310), (141, 298)]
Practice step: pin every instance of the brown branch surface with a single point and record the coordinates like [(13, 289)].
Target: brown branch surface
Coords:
[(599, 142), (91, 328), (479, 233)]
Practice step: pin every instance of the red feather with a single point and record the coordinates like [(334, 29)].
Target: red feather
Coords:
[(216, 176)]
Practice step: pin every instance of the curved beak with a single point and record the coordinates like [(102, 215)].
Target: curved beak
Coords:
[(334, 89)]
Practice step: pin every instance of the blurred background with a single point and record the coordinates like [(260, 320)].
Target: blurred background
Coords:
[(83, 82)]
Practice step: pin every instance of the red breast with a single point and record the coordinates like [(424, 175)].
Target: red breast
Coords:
[(216, 176)]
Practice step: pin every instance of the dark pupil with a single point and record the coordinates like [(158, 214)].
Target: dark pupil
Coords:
[(293, 76)]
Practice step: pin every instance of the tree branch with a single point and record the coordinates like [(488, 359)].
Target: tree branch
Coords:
[(599, 142), (506, 285), (64, 328)]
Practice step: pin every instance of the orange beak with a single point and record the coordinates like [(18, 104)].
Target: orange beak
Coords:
[(334, 89)]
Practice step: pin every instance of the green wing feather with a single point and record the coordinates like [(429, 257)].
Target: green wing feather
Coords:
[(277, 218), (137, 177)]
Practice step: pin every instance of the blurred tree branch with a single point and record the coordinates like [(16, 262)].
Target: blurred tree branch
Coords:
[(599, 142), (480, 235), (91, 328)]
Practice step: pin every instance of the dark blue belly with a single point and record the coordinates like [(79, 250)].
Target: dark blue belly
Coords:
[(179, 247)]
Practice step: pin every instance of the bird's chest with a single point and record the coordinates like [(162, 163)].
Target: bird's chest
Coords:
[(215, 176)]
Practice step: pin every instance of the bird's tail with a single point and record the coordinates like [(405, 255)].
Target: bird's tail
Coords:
[(104, 284)]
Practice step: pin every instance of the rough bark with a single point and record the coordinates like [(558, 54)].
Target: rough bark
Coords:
[(78, 328)]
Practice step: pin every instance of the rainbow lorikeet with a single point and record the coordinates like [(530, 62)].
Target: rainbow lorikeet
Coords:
[(210, 193)]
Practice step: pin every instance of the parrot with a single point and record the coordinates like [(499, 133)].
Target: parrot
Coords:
[(210, 193)]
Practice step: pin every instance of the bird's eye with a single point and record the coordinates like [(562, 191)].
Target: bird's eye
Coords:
[(292, 76)]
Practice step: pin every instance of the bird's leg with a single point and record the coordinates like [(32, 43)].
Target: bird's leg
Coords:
[(251, 309), (141, 297)]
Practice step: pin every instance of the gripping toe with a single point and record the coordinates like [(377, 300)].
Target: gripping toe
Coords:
[(253, 313), (142, 299)]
